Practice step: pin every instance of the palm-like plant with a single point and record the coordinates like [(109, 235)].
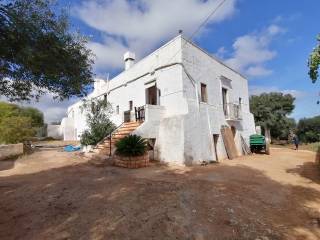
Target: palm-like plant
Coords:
[(131, 146)]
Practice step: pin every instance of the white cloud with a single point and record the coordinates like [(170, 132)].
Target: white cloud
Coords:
[(141, 25), (252, 51), (222, 51), (274, 29), (53, 110), (257, 90), (257, 71), (107, 53)]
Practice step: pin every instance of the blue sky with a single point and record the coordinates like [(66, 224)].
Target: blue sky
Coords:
[(268, 41)]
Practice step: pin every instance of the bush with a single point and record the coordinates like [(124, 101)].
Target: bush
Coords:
[(18, 123), (308, 129), (131, 146), (16, 129), (87, 138), (98, 119), (97, 132)]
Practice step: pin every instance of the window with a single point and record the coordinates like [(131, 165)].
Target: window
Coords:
[(130, 105), (204, 97), (224, 101), (117, 109), (151, 95)]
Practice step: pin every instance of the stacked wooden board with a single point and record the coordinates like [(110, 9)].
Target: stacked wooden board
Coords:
[(229, 142)]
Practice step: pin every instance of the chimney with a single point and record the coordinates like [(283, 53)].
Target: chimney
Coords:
[(129, 58)]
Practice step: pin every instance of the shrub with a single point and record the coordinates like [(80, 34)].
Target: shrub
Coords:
[(131, 146), (87, 138), (98, 119), (308, 129), (16, 129), (18, 123)]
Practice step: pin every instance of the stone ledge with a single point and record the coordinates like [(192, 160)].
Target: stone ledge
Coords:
[(131, 162), (10, 151)]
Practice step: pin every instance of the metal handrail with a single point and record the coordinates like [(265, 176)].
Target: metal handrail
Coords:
[(232, 111), (110, 137), (137, 112)]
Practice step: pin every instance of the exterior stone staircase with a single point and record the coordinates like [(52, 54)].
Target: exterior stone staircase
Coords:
[(103, 148)]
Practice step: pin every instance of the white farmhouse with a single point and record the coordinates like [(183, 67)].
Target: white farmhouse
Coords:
[(182, 96)]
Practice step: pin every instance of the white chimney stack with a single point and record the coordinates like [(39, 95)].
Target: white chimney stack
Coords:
[(129, 58)]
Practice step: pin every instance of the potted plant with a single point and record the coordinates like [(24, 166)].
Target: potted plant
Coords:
[(131, 152)]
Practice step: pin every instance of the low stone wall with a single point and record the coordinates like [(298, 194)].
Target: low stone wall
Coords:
[(54, 131), (10, 151), (131, 162)]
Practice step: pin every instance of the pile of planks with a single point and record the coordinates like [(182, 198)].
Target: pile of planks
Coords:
[(229, 143)]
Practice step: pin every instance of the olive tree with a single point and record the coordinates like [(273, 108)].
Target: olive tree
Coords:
[(39, 54)]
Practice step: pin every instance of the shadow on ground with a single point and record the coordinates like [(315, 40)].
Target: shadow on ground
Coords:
[(7, 164), (216, 202), (309, 170)]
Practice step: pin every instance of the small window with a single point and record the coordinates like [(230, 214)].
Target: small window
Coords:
[(117, 109), (204, 97), (224, 101), (130, 105)]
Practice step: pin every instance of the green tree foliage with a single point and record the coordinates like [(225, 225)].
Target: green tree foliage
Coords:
[(314, 62), (18, 123), (308, 129), (16, 129), (98, 113), (35, 115), (131, 146), (39, 54), (271, 111)]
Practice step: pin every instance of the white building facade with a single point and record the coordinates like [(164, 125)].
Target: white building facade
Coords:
[(186, 95)]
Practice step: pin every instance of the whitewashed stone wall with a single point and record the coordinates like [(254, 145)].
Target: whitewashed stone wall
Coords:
[(54, 131), (182, 125), (10, 151), (206, 119)]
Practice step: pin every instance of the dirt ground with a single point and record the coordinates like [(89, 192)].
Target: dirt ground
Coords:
[(56, 195)]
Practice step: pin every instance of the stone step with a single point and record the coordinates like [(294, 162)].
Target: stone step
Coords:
[(121, 134), (125, 129), (118, 137), (131, 123)]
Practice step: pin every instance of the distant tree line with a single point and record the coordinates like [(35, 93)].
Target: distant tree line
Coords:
[(272, 110), (308, 129), (18, 123)]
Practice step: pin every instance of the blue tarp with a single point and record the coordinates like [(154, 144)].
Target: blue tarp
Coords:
[(71, 148)]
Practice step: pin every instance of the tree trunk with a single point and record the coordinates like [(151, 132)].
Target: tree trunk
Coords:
[(267, 134)]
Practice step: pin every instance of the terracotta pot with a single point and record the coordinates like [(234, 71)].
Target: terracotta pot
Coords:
[(132, 162)]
